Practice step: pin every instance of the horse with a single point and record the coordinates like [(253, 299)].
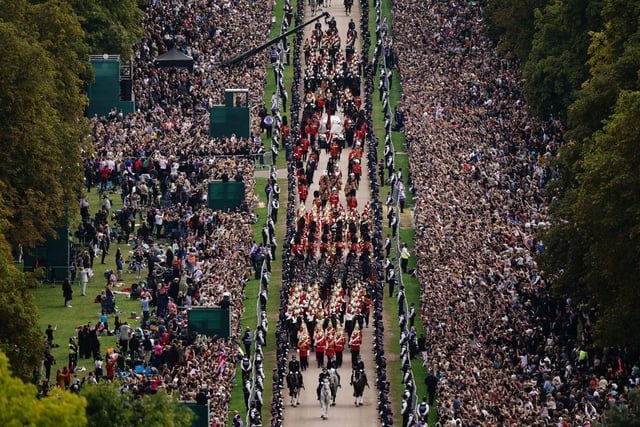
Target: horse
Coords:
[(325, 399), (294, 383), (334, 383), (359, 381)]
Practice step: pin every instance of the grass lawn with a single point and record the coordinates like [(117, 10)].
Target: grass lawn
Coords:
[(84, 310)]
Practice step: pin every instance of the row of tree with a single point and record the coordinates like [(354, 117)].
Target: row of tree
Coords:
[(45, 67), (98, 405), (581, 61)]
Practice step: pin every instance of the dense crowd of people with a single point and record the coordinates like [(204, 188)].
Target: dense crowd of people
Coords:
[(500, 348), (206, 267), (160, 160)]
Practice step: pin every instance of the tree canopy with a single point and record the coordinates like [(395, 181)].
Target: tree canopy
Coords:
[(106, 405), (20, 336), (557, 63), (512, 23), (41, 117), (111, 27), (20, 406), (593, 248)]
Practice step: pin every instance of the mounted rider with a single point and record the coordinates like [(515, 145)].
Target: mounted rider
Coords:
[(322, 377), (294, 365)]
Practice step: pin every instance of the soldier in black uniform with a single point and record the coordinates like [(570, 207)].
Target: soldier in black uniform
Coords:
[(245, 365), (423, 410), (294, 364), (358, 364)]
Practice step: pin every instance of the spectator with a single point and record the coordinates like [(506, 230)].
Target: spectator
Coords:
[(67, 292)]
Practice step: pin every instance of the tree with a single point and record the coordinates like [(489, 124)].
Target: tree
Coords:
[(60, 34), (111, 27), (614, 60), (20, 336), (557, 64), (592, 248), (607, 210), (106, 405), (19, 405), (512, 22), (40, 117)]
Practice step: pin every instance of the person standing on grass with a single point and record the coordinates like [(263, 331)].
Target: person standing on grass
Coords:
[(412, 314), (125, 337), (247, 340), (402, 199), (119, 264), (49, 361), (98, 367), (404, 258), (73, 354), (84, 279), (67, 292), (145, 299), (49, 333), (432, 382)]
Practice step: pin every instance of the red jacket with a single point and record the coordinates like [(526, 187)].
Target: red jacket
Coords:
[(331, 348), (303, 346), (303, 192), (356, 340), (352, 203)]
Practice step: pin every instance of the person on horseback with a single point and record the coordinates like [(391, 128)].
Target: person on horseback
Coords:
[(358, 364), (294, 365), (359, 381), (334, 382), (321, 377), (324, 394), (295, 382)]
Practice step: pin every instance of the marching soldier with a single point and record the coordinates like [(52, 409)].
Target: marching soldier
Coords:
[(339, 344), (354, 344)]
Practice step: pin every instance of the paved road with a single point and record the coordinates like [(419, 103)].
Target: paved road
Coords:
[(345, 413)]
